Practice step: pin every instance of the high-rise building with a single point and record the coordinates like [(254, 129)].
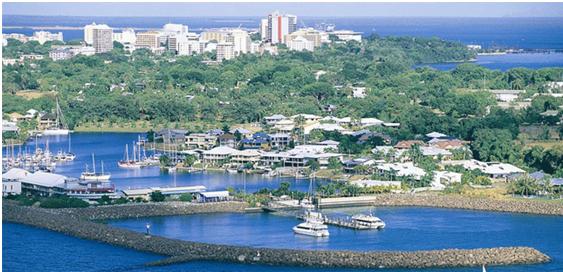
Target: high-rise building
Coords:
[(149, 39), (218, 35), (280, 25), (89, 33), (225, 51), (240, 40), (264, 29), (102, 38)]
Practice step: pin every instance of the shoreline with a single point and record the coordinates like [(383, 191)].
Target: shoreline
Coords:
[(70, 222)]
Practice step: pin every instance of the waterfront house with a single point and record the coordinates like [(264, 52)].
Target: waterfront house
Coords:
[(201, 141), (218, 155), (215, 132), (502, 170), (8, 126), (259, 140), (246, 156), (324, 127), (47, 120), (366, 183), (350, 166), (227, 139), (444, 178), (279, 141), (168, 135), (245, 133), (407, 169)]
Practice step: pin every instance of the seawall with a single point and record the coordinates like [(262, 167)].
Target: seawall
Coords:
[(74, 223), (471, 203)]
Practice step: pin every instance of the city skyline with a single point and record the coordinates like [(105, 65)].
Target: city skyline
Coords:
[(302, 9)]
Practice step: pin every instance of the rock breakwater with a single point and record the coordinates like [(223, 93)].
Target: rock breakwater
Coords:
[(78, 223)]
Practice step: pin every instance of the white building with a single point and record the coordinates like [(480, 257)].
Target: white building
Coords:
[(61, 54), (225, 51), (407, 169), (241, 41), (359, 92), (218, 155), (127, 36), (348, 35), (89, 33), (175, 29), (368, 122), (299, 43), (507, 95), (45, 36)]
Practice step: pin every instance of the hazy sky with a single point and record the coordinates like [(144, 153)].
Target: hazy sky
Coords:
[(300, 9)]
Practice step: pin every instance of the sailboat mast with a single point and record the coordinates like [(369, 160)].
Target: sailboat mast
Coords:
[(93, 164), (102, 167), (126, 153)]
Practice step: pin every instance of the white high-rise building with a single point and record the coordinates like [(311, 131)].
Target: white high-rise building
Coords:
[(240, 40), (264, 29), (89, 33), (279, 26), (225, 51), (102, 38)]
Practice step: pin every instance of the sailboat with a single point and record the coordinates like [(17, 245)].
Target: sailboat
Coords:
[(59, 128), (126, 162), (65, 156), (92, 175)]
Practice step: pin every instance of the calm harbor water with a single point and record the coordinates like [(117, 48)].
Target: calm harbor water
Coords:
[(407, 229), (110, 148)]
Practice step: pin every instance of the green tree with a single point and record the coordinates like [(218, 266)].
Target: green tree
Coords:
[(157, 196)]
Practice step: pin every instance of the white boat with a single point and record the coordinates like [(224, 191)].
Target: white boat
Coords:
[(172, 169), (370, 221), (231, 171), (311, 228), (59, 128), (92, 175)]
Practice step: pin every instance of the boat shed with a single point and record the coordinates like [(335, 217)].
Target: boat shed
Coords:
[(213, 196)]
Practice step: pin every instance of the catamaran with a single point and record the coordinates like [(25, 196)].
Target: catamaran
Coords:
[(60, 128), (92, 175)]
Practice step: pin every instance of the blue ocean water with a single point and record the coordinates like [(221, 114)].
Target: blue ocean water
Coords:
[(110, 148), (525, 33), (407, 229), (509, 61)]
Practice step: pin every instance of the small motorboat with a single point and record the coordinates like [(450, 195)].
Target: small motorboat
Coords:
[(312, 228)]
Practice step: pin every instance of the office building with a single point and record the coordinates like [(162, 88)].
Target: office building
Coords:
[(149, 39), (225, 51), (279, 26)]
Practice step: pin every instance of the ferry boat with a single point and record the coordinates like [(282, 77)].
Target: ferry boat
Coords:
[(92, 175), (312, 228), (369, 221)]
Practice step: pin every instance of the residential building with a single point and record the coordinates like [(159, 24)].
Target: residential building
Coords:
[(61, 54), (272, 120), (217, 35), (368, 122), (149, 39), (201, 141), (444, 178), (407, 169), (264, 29), (102, 38), (225, 51), (279, 141), (436, 152), (89, 33), (408, 144), (507, 95), (227, 139), (246, 156), (171, 135), (359, 92), (259, 140)]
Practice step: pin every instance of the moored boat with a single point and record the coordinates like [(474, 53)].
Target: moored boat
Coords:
[(370, 221), (311, 228)]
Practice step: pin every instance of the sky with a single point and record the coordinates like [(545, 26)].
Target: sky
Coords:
[(300, 9)]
